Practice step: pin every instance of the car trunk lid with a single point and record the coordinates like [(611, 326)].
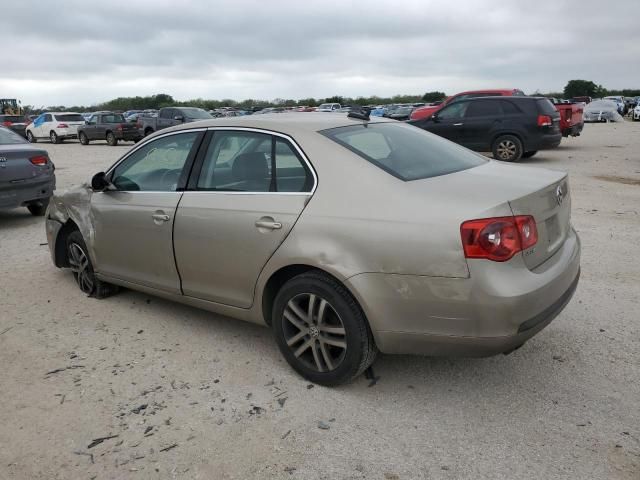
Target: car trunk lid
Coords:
[(16, 167)]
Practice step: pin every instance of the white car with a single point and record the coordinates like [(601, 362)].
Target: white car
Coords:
[(56, 126), (636, 113), (329, 107)]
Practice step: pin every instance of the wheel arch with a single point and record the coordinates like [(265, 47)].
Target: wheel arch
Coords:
[(282, 276), (61, 259), (518, 135)]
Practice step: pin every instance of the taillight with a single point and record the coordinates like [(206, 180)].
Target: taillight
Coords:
[(7, 123), (498, 239), (119, 127), (544, 121), (39, 160), (63, 125)]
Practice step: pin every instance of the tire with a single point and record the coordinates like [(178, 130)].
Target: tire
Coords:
[(111, 139), (507, 148), (82, 269), (31, 138), (83, 138), (148, 132), (530, 153), (53, 136), (39, 208), (332, 349)]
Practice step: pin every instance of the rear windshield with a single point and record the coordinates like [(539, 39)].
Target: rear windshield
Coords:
[(404, 151), (545, 106), (113, 118), (7, 137), (11, 118), (70, 117), (195, 113)]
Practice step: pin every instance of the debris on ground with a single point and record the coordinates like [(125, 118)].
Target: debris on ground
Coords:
[(98, 441), (58, 370), (166, 449), (323, 426)]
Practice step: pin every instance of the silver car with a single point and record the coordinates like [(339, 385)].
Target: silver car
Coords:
[(347, 236)]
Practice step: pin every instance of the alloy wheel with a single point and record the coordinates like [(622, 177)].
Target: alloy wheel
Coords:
[(314, 332), (81, 268), (506, 149)]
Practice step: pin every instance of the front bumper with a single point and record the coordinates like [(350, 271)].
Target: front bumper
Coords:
[(52, 228), (18, 194), (497, 309)]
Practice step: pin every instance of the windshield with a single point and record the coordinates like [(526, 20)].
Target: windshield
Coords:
[(195, 113), (7, 137), (69, 117), (406, 152), (325, 105), (11, 118), (598, 104)]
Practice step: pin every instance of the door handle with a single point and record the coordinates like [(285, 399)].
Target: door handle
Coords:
[(160, 217), (270, 225), (457, 124)]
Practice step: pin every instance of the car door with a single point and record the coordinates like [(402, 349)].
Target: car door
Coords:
[(133, 223), (90, 128), (447, 122), (42, 130), (36, 126), (481, 118), (164, 120), (246, 193)]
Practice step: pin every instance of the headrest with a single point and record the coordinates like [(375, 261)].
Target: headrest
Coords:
[(250, 166)]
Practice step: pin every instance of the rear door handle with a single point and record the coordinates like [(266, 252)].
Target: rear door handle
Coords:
[(457, 124), (160, 217), (270, 225)]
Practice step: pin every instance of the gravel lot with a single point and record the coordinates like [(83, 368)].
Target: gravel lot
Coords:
[(187, 394)]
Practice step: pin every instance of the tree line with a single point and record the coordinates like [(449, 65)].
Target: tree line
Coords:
[(574, 88)]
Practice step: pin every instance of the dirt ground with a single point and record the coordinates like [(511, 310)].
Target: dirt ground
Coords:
[(138, 387)]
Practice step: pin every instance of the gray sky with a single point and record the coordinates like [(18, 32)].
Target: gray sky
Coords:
[(84, 53)]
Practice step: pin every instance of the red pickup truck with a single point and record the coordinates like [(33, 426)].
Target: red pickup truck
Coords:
[(427, 111), (571, 121)]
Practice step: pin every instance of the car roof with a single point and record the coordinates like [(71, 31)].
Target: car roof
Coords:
[(515, 98), (60, 113), (288, 122)]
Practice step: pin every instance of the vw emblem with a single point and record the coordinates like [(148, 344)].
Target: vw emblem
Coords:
[(559, 195), (3, 162)]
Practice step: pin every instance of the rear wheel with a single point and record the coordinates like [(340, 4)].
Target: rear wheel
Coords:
[(82, 269), (31, 138), (321, 330), (83, 138), (529, 154), (507, 148), (148, 132), (53, 136), (111, 139), (38, 208)]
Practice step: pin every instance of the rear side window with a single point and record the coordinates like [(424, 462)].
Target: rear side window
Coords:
[(545, 106), (406, 152), (113, 118), (508, 108), (70, 117), (241, 161), (483, 108)]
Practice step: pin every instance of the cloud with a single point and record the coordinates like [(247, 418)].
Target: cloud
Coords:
[(84, 53)]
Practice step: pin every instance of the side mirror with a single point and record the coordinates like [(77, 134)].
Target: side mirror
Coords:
[(99, 182), (179, 118), (435, 118)]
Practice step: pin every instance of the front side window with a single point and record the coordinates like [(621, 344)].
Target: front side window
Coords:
[(156, 166), (47, 117), (241, 161), (404, 151), (454, 111)]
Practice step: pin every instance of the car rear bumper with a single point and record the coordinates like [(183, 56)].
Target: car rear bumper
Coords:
[(545, 141), (496, 310), (128, 136), (18, 194), (573, 130)]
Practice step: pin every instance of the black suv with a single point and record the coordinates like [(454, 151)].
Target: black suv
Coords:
[(510, 127)]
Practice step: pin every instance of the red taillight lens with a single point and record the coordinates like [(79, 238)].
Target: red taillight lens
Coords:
[(39, 160), (498, 239), (63, 125), (7, 123), (544, 121)]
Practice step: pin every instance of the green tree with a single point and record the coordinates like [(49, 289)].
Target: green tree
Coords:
[(433, 96), (583, 88)]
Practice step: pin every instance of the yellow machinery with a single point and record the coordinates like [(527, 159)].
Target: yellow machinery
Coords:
[(10, 106)]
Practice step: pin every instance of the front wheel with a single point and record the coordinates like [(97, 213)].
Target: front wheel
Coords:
[(111, 139), (321, 330), (507, 148), (82, 269), (83, 138), (53, 136), (31, 138), (529, 154)]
